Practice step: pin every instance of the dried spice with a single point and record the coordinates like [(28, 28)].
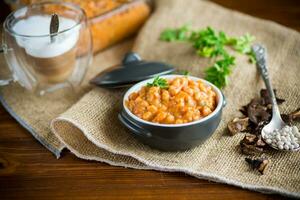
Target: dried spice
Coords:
[(295, 115), (249, 149), (260, 164), (249, 139), (251, 145), (238, 125), (256, 128), (292, 117), (266, 99), (259, 111), (260, 142), (257, 114)]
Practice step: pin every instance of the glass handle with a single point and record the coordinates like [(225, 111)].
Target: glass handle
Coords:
[(4, 82)]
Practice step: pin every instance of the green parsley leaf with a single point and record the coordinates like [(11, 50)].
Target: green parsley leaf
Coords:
[(208, 43), (159, 82), (252, 57), (212, 44), (219, 72), (180, 34), (243, 43)]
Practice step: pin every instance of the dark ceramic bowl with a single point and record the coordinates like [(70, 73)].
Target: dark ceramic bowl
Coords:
[(172, 137)]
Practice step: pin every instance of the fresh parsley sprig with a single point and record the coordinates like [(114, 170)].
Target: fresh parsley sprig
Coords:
[(243, 45), (208, 43), (218, 73), (159, 82), (179, 34), (212, 44)]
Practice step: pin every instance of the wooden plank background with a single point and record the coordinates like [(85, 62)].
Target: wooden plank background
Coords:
[(29, 171)]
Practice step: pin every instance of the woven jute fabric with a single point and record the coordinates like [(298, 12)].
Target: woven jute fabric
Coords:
[(91, 130)]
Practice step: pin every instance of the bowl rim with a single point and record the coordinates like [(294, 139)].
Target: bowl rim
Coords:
[(138, 86)]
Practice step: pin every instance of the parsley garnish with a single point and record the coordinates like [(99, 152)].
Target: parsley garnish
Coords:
[(159, 82), (211, 44)]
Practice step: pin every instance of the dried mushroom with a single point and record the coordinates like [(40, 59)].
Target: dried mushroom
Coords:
[(260, 164), (249, 145), (252, 150), (296, 114), (260, 142), (293, 116), (266, 99), (257, 112), (238, 125), (256, 128), (249, 139)]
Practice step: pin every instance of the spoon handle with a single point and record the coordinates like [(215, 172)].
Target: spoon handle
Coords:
[(261, 58), (54, 26)]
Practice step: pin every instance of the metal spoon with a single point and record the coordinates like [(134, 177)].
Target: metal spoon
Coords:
[(276, 121), (54, 26)]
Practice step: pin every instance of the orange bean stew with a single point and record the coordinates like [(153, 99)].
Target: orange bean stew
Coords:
[(183, 101)]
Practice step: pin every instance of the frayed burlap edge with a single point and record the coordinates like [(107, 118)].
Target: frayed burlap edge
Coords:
[(153, 166), (45, 143)]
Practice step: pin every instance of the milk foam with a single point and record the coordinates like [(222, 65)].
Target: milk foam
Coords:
[(42, 47)]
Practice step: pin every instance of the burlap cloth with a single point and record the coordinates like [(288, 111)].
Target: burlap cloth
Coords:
[(91, 130)]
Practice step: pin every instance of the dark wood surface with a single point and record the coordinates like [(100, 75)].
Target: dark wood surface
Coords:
[(29, 171)]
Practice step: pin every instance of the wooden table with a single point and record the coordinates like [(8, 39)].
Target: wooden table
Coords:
[(29, 171)]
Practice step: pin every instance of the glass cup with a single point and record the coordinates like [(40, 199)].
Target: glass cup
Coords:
[(42, 61)]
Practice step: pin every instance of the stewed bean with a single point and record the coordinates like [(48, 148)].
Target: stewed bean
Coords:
[(184, 101)]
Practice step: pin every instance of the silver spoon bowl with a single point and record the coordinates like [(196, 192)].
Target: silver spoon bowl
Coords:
[(276, 122)]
